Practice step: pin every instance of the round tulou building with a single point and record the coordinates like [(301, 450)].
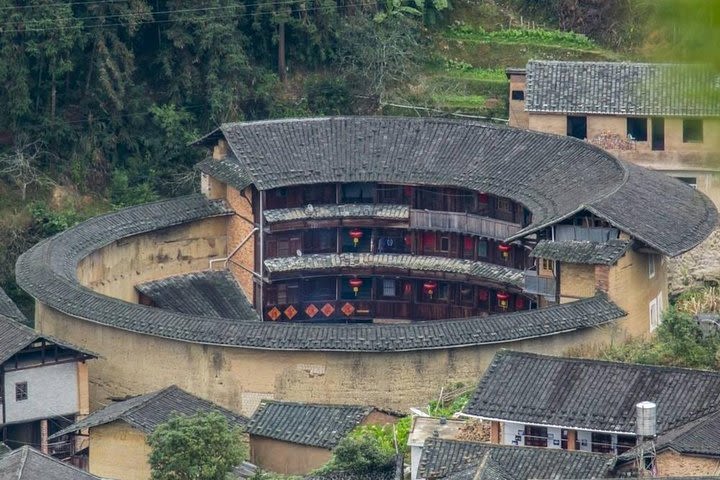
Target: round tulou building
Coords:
[(364, 260)]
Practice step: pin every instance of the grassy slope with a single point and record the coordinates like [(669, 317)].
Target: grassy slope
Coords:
[(465, 72)]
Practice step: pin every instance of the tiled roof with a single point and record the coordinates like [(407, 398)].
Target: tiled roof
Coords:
[(14, 336), (442, 458), (26, 463), (590, 394), (593, 253), (210, 293), (613, 88), (148, 411), (552, 176), (380, 211), (399, 261), (306, 424), (226, 171), (8, 309)]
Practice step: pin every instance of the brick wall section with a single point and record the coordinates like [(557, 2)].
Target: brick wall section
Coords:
[(671, 464), (602, 277), (576, 281), (518, 115), (239, 227)]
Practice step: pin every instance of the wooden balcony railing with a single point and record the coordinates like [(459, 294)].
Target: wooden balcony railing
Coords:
[(538, 285), (587, 234), (463, 223)]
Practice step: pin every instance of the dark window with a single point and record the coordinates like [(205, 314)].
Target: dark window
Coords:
[(352, 243), (482, 248), (577, 127), (692, 130), (319, 194), (348, 292), (319, 289), (517, 95), (358, 192), (444, 244), (625, 443), (535, 436), (21, 391), (601, 442), (637, 129), (692, 181), (389, 288), (321, 240)]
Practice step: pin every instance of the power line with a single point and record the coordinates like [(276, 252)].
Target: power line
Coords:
[(60, 4)]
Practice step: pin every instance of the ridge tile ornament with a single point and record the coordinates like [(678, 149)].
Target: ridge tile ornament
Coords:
[(347, 309), (290, 312), (311, 310), (274, 313), (327, 309)]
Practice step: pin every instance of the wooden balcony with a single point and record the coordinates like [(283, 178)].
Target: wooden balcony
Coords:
[(535, 284), (584, 234), (465, 223)]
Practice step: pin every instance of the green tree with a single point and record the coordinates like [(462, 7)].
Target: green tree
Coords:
[(361, 453), (198, 447)]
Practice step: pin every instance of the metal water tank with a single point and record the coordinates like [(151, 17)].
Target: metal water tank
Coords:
[(646, 413)]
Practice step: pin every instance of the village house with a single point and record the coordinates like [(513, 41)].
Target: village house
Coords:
[(297, 438), (590, 405), (337, 260), (26, 463), (464, 460), (661, 116), (44, 385), (117, 433)]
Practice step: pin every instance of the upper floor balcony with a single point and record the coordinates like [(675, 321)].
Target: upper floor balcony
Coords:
[(539, 285), (465, 223)]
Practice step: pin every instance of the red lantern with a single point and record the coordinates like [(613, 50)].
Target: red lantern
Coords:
[(355, 283), (483, 198), (356, 234), (429, 287), (407, 289), (519, 303), (483, 295), (504, 249), (503, 298)]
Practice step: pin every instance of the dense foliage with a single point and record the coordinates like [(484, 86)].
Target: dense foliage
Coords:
[(360, 453), (199, 447)]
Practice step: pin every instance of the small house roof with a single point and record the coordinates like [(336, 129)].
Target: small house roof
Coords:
[(442, 458), (622, 88), (591, 253), (8, 309), (425, 427), (590, 394), (26, 463), (146, 412), (306, 424), (209, 293)]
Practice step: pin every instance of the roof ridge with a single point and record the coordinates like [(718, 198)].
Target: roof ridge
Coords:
[(311, 404), (24, 455), (498, 446)]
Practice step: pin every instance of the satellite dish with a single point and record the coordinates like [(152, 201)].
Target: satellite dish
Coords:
[(298, 252)]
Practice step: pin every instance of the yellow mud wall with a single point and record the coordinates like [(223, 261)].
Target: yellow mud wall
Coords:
[(286, 457), (119, 451)]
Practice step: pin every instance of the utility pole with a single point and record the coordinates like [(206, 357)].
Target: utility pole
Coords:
[(281, 51)]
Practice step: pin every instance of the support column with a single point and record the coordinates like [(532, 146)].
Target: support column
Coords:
[(44, 436), (494, 432)]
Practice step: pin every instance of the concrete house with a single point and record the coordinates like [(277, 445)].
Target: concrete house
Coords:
[(322, 251), (296, 438), (44, 385), (463, 460), (117, 433), (661, 116), (589, 405), (26, 463)]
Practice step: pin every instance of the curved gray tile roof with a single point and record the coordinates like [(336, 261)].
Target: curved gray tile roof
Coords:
[(26, 463), (397, 261), (381, 211), (8, 309), (571, 251), (614, 88), (553, 176), (48, 272)]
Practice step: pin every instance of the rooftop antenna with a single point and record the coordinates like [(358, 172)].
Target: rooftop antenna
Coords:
[(646, 429)]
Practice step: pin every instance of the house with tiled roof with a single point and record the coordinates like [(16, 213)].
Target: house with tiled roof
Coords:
[(44, 384), (590, 405), (463, 460), (321, 251), (26, 463), (661, 116), (297, 438), (117, 433)]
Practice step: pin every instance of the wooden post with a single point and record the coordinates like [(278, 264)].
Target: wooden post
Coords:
[(571, 439), (281, 51), (44, 436), (494, 432)]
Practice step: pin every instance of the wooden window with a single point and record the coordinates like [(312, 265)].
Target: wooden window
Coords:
[(654, 314), (517, 95), (444, 244), (535, 436), (21, 391), (547, 267), (691, 181), (443, 291), (692, 130), (287, 293), (503, 204), (637, 129), (389, 289), (601, 442), (319, 289), (482, 248)]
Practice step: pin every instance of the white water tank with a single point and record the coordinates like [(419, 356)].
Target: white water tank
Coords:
[(646, 413)]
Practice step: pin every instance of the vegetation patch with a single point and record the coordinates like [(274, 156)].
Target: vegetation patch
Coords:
[(533, 36)]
